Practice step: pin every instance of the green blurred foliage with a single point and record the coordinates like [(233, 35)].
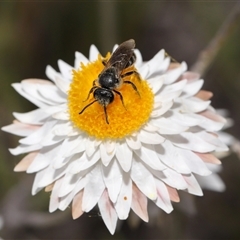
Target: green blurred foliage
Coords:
[(35, 34)]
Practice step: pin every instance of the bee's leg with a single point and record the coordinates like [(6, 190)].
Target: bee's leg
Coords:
[(105, 112), (91, 90), (87, 106), (104, 62), (133, 85), (171, 58), (130, 73), (121, 97)]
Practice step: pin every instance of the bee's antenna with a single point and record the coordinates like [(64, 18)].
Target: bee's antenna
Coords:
[(106, 116), (91, 90), (87, 106)]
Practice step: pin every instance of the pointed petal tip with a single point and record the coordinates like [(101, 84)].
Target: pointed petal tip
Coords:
[(25, 162), (108, 212)]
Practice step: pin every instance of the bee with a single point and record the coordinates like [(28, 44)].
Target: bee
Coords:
[(117, 71)]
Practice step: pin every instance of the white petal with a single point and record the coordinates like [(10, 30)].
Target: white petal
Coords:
[(185, 119), (108, 212), (211, 121), (72, 188), (191, 141), (56, 108), (66, 201), (80, 147), (124, 200), (149, 127), (60, 161), (51, 175), (77, 205), (173, 88), (193, 186), (115, 47), (124, 156), (139, 61), (133, 142), (62, 115), (164, 66), (84, 162), (226, 138), (143, 179), (155, 62), (112, 177), (39, 175), (93, 54), (163, 199), (62, 129), (194, 162), (214, 140), (65, 149), (156, 83), (54, 199), (171, 92), (139, 203), (144, 70), (194, 104), (110, 146), (212, 182), (52, 73), (65, 69), (190, 76), (25, 162), (43, 91), (33, 117), (168, 127), (174, 74), (31, 98), (64, 86), (93, 189), (170, 155), (150, 138), (43, 159), (69, 182), (50, 94), (161, 110), (106, 156), (51, 139), (79, 58), (192, 88), (24, 149), (20, 129), (208, 158), (90, 146), (39, 134), (207, 123), (148, 155), (172, 178)]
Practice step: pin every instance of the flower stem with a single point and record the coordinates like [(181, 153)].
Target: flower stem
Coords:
[(207, 55)]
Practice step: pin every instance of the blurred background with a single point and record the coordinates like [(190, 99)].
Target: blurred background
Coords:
[(35, 34)]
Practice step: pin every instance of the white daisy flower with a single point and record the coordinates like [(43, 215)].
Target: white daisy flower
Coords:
[(156, 142)]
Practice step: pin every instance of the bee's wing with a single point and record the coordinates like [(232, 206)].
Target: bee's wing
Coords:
[(121, 55)]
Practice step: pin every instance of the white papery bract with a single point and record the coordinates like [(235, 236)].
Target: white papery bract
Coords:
[(163, 156)]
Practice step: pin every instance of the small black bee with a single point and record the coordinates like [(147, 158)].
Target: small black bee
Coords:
[(112, 76)]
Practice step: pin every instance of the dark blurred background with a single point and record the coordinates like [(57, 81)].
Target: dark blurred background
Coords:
[(35, 34)]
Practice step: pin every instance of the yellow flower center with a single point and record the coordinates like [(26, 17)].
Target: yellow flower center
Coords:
[(123, 121)]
